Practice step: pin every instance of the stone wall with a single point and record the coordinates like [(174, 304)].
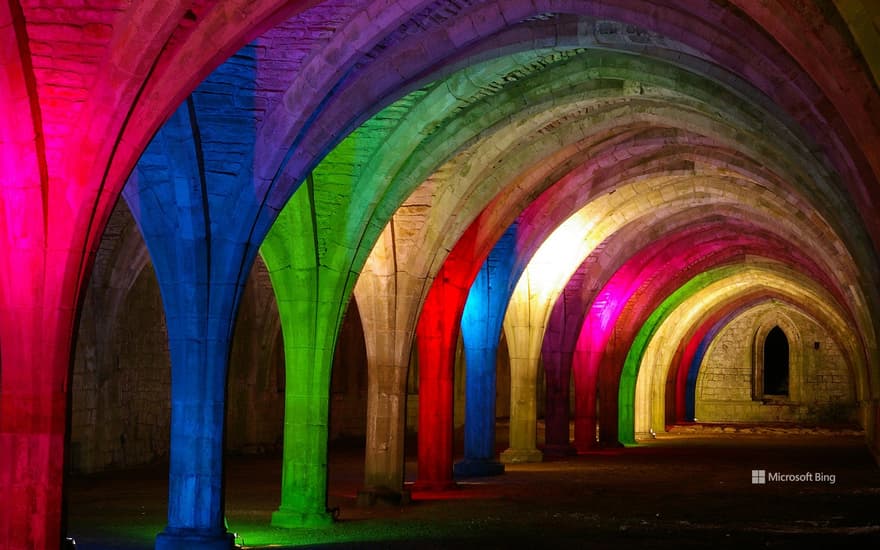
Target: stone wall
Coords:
[(255, 384), (821, 384), (121, 387), (348, 384)]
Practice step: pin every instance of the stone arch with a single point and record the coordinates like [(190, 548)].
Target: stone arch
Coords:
[(764, 326)]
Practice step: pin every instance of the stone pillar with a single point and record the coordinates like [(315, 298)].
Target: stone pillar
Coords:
[(438, 330), (557, 366), (41, 268), (479, 436), (385, 298), (309, 296), (306, 410), (199, 353), (609, 396), (201, 269), (523, 410), (386, 428), (481, 330), (524, 336), (585, 378), (34, 366)]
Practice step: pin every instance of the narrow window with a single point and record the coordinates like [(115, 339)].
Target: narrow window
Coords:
[(776, 363)]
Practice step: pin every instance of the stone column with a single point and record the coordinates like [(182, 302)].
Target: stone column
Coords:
[(310, 296), (199, 353), (385, 298), (199, 267), (41, 269), (34, 366), (585, 365), (481, 330), (557, 366), (523, 409), (524, 335), (438, 330)]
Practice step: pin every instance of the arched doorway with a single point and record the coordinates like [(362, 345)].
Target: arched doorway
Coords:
[(776, 363)]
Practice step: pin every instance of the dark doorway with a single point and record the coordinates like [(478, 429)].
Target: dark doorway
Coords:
[(776, 363)]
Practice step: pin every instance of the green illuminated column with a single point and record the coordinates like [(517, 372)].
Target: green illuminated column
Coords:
[(310, 305)]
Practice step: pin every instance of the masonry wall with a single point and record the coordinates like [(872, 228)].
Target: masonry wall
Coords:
[(821, 384), (121, 386), (255, 384), (348, 384)]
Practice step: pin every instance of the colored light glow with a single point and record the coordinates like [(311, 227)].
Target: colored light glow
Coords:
[(481, 329), (692, 362), (438, 330), (673, 317), (558, 257), (361, 186), (178, 194), (649, 399), (679, 249), (695, 248), (864, 137), (311, 291), (689, 367), (696, 348), (627, 388), (657, 262)]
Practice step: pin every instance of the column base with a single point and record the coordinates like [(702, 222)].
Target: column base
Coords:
[(291, 519), (475, 467), (513, 456), (370, 496), (193, 539), (562, 449)]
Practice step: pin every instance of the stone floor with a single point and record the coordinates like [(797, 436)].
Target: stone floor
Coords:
[(690, 489)]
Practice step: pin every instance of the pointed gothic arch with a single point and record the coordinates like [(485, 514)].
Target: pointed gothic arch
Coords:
[(777, 359)]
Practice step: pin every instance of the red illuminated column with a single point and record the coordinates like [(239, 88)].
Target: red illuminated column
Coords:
[(437, 332), (35, 331), (38, 292), (585, 380), (683, 366)]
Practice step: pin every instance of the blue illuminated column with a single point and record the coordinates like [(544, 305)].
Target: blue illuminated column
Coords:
[(165, 195), (481, 329), (199, 222)]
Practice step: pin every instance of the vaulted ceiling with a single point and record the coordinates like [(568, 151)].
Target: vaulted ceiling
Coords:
[(652, 163)]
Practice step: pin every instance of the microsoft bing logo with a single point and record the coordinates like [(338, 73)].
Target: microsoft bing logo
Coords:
[(762, 477)]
